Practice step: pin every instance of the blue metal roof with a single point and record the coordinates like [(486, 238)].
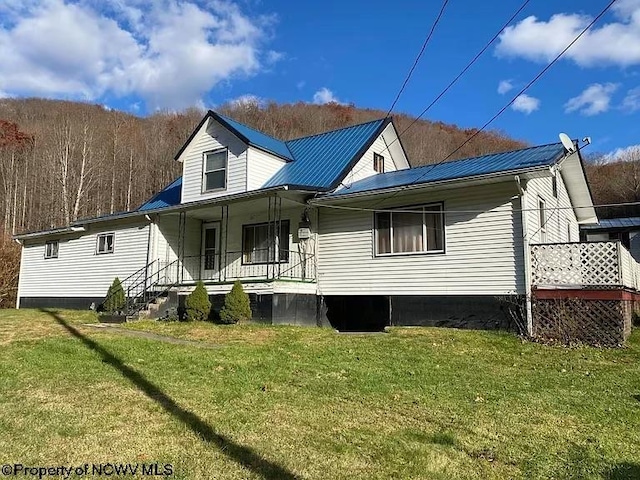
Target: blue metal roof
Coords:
[(611, 223), (166, 197), (256, 138), (516, 160), (321, 160)]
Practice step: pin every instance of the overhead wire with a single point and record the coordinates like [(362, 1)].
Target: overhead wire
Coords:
[(451, 83), (508, 104), (419, 56)]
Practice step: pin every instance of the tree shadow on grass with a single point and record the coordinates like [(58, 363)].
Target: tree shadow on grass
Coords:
[(245, 456), (624, 471)]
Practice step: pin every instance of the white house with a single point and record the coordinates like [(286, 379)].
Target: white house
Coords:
[(334, 227)]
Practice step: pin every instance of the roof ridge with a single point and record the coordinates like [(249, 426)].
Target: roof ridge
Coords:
[(284, 144), (250, 128), (484, 156), (335, 130)]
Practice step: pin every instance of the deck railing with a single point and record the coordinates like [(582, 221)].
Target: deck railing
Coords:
[(591, 264), (234, 265)]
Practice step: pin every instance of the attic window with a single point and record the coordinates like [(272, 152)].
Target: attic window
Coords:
[(51, 249), (215, 171), (378, 163), (554, 186)]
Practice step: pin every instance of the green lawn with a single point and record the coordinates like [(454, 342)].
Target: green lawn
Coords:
[(307, 403)]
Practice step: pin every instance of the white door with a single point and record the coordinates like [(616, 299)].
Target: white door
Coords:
[(210, 255)]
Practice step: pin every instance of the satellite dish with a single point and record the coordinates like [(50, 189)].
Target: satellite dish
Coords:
[(567, 143)]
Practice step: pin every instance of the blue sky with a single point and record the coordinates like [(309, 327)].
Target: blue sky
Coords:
[(143, 55)]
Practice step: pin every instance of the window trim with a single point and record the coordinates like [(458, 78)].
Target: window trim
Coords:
[(377, 157), (204, 170), (47, 256), (443, 251), (113, 243), (542, 219), (259, 224)]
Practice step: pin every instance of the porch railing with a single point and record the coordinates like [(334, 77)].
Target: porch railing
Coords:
[(593, 264), (234, 265)]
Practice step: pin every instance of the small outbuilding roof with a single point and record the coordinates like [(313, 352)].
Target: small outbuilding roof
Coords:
[(615, 224)]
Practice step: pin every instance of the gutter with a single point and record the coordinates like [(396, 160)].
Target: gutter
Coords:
[(45, 233), (79, 225), (415, 186)]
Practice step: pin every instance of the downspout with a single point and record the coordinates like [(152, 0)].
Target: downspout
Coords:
[(527, 254)]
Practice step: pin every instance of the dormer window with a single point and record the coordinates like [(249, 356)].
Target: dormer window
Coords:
[(215, 171), (378, 163)]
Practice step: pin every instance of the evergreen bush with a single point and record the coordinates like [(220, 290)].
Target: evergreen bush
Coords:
[(115, 300), (236, 305), (197, 304)]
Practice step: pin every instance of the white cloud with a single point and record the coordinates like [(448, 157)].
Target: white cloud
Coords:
[(593, 100), (324, 95), (505, 86), (247, 100), (614, 43), (169, 52), (623, 154), (631, 102), (526, 104)]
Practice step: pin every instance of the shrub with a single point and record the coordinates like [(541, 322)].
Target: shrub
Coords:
[(115, 300), (236, 305), (198, 304)]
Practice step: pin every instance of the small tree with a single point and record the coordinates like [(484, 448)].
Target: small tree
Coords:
[(115, 300), (236, 305), (198, 304)]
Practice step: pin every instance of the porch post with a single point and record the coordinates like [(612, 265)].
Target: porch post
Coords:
[(278, 240), (223, 256), (181, 228), (268, 235)]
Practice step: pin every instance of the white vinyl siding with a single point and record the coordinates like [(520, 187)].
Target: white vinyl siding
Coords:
[(560, 217), (78, 271), (484, 251), (364, 167), (261, 166), (210, 138)]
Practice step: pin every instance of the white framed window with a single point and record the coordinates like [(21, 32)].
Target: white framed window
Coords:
[(554, 186), (51, 249), (215, 171), (105, 243), (418, 230), (542, 219), (378, 163), (258, 247)]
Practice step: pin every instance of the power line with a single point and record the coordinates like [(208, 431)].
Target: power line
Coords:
[(504, 108), (462, 72), (415, 63)]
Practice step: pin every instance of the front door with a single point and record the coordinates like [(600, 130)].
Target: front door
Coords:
[(210, 251)]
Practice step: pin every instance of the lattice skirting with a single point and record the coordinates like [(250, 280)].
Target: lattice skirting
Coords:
[(570, 320)]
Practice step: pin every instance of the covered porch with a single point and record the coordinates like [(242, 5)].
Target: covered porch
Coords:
[(259, 240)]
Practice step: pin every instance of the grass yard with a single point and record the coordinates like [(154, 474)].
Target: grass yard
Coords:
[(266, 402)]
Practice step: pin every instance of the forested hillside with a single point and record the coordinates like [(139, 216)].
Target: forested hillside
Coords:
[(60, 161)]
